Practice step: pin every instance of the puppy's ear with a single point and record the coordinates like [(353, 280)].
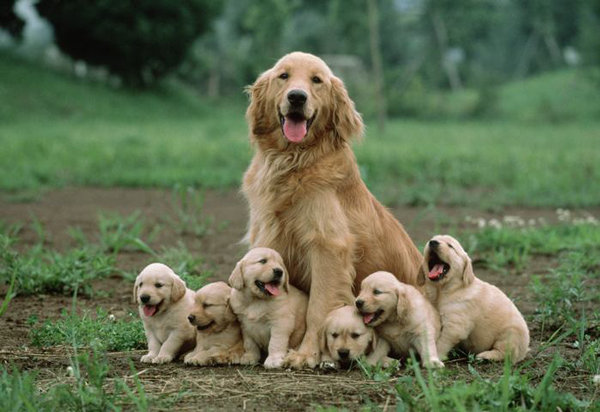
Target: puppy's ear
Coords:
[(373, 343), (347, 122), (468, 276), (421, 275), (236, 279), (258, 115), (286, 281), (323, 338), (178, 290), (402, 305), (135, 291)]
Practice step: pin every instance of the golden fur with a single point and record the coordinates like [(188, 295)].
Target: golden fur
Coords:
[(218, 336), (272, 323), (474, 314), (168, 331), (344, 337), (307, 200), (402, 317)]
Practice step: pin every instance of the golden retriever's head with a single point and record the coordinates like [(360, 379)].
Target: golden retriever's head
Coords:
[(261, 273), (345, 336), (381, 298), (300, 101), (211, 312), (156, 287), (445, 263)]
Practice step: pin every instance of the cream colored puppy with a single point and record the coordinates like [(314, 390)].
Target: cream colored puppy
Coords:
[(474, 314), (344, 337), (164, 305), (218, 336), (272, 313), (403, 318)]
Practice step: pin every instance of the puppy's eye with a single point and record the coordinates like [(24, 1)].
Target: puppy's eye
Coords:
[(284, 75), (158, 285), (355, 336), (451, 247), (263, 261), (317, 79), (377, 292), (334, 335), (140, 285), (206, 305)]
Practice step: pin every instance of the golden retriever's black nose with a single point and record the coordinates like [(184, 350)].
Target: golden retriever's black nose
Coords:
[(144, 298), (297, 97), (360, 303), (278, 273), (344, 353), (191, 318), (434, 243)]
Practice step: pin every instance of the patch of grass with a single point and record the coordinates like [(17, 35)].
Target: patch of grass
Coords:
[(123, 232), (101, 331), (188, 203)]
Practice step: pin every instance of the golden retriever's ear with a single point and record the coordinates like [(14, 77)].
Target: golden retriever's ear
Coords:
[(347, 122), (178, 290), (260, 120), (402, 304), (421, 275), (236, 279), (373, 343), (323, 338), (286, 282), (468, 276)]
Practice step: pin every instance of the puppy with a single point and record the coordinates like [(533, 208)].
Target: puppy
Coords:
[(272, 313), (403, 318), (344, 337), (218, 336), (164, 304), (474, 314)]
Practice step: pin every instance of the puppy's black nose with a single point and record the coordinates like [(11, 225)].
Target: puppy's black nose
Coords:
[(278, 273), (344, 353), (191, 318), (434, 243), (144, 298), (297, 97), (360, 303)]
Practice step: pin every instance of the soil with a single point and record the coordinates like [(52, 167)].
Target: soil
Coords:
[(217, 388)]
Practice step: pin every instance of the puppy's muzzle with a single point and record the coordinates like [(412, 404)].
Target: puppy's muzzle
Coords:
[(191, 318), (277, 273), (145, 298), (344, 354), (359, 304)]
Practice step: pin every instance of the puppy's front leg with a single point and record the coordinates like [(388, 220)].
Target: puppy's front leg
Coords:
[(153, 348), (169, 349), (380, 353), (278, 346), (427, 348), (252, 352), (454, 330)]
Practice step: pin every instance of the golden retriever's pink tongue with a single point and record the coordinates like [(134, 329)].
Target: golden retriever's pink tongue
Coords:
[(368, 317), (436, 271), (272, 288), (293, 130), (149, 310)]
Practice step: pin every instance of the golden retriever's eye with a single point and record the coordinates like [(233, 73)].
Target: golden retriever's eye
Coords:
[(158, 285), (263, 261), (451, 247), (206, 305), (376, 292), (334, 335), (284, 75), (355, 335), (317, 79)]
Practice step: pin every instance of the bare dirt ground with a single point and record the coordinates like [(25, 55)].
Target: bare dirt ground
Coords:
[(215, 388)]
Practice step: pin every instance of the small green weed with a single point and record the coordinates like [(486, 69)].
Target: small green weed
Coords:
[(123, 232), (188, 203)]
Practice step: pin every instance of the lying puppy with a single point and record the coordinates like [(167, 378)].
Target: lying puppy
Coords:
[(218, 336), (344, 338), (271, 311), (164, 304), (403, 318), (473, 313)]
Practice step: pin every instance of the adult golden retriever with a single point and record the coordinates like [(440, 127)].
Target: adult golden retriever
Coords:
[(306, 197)]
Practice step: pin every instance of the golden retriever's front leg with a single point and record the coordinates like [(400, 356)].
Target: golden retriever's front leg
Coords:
[(278, 347), (380, 353), (426, 346), (153, 348), (252, 352), (169, 348)]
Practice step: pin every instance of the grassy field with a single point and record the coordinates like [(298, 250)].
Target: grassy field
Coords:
[(71, 336)]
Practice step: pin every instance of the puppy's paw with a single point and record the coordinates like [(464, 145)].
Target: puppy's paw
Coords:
[(249, 359), (147, 358), (386, 361), (162, 359), (435, 363), (300, 360), (273, 362), (491, 355), (195, 359)]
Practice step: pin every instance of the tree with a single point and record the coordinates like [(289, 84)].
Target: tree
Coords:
[(9, 19), (138, 40)]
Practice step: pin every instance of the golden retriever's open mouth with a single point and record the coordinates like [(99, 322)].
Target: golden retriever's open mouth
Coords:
[(437, 267), (151, 310), (204, 327), (371, 317), (269, 288), (295, 126)]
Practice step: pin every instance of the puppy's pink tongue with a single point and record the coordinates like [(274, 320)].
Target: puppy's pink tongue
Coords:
[(368, 317), (293, 130), (272, 288), (149, 310), (436, 271)]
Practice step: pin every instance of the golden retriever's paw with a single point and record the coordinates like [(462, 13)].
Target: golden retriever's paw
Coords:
[(147, 358), (386, 362), (300, 360), (249, 359), (435, 363), (491, 355), (162, 359), (273, 362), (196, 360)]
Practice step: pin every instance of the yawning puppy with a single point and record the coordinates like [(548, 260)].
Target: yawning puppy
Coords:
[(218, 336), (344, 337), (164, 305), (271, 311), (403, 318), (474, 314)]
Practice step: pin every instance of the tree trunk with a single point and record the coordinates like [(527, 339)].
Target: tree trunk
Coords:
[(441, 35), (376, 62)]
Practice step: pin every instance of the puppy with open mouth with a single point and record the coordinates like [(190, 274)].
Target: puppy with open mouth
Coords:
[(474, 314), (218, 336), (402, 317), (164, 303), (272, 313)]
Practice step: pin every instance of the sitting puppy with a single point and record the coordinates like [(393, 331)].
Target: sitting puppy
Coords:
[(403, 318), (474, 314), (272, 313), (344, 338), (218, 336), (164, 304)]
